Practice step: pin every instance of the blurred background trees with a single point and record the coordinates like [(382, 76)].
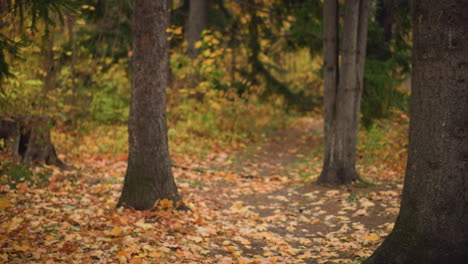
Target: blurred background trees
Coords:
[(254, 62)]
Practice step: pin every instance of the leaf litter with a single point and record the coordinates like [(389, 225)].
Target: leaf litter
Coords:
[(275, 215)]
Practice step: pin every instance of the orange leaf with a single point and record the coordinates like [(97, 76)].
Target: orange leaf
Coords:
[(122, 253), (22, 187), (166, 203)]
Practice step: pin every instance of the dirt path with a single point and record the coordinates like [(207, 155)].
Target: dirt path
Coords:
[(260, 206), (306, 222)]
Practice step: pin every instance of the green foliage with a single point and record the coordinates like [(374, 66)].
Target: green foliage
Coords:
[(387, 67), (13, 174), (215, 112), (111, 89), (27, 14), (385, 143), (380, 95)]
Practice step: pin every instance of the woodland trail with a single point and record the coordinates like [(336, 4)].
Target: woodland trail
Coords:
[(258, 206), (317, 224)]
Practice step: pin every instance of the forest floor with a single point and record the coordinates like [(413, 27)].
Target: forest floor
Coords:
[(259, 205)]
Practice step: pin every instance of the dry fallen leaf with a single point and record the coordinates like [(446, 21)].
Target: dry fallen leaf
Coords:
[(22, 187), (116, 231), (166, 204), (243, 260), (4, 203), (371, 237)]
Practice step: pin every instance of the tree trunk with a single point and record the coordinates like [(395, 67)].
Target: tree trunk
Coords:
[(432, 226), (342, 104), (28, 139), (385, 16), (197, 22), (149, 176), (330, 77)]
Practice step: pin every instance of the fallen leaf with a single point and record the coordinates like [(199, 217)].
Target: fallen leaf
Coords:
[(4, 203), (305, 241), (22, 187), (371, 237), (166, 204), (243, 260), (122, 253), (116, 231), (360, 212), (4, 188)]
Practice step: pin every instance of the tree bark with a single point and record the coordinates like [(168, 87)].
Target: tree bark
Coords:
[(149, 176), (432, 226), (330, 77), (197, 22), (343, 93), (28, 140)]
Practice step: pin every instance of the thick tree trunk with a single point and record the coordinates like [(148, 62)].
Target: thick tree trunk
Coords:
[(197, 22), (28, 139), (342, 107), (432, 226), (149, 176)]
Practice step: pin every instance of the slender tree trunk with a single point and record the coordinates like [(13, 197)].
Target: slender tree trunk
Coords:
[(197, 22), (50, 69), (149, 176), (330, 76), (385, 16), (71, 40), (343, 106), (432, 226)]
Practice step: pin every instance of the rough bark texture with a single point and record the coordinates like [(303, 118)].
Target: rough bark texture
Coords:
[(28, 139), (432, 226), (149, 176), (197, 22), (343, 93)]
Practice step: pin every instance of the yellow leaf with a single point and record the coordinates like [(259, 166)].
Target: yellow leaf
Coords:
[(371, 237), (156, 254), (305, 241), (23, 247), (116, 231), (36, 255), (207, 38), (143, 225), (215, 106), (206, 53), (198, 44), (178, 30), (4, 203)]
